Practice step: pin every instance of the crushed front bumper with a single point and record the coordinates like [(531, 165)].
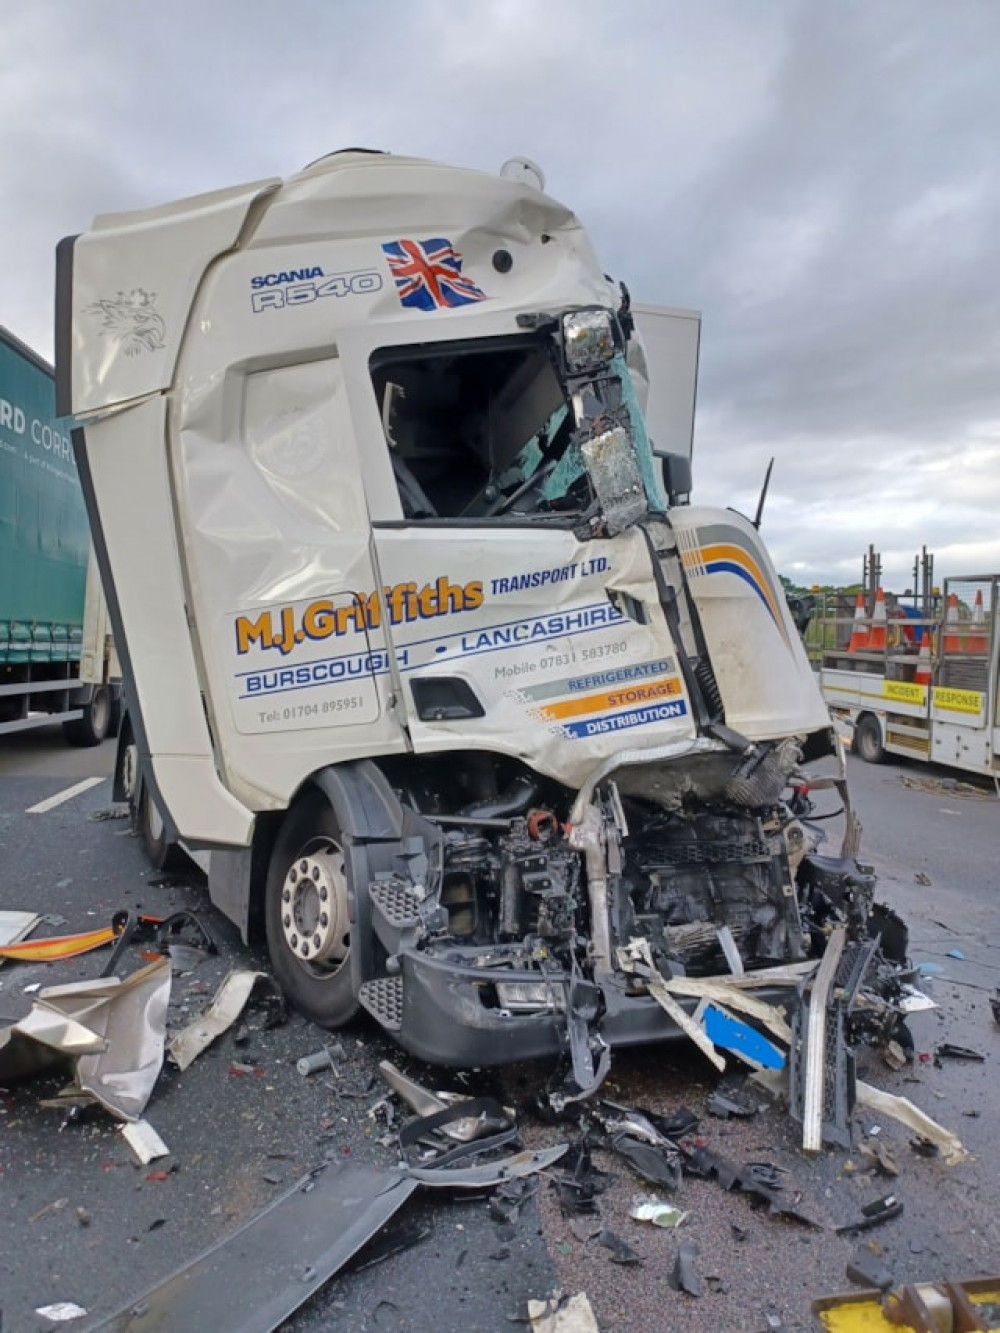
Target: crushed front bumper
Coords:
[(446, 1012)]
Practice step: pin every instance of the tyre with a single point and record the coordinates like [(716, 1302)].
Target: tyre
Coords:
[(95, 724), (868, 739), (160, 851), (306, 914)]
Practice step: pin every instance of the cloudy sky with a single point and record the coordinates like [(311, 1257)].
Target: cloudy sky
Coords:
[(819, 179)]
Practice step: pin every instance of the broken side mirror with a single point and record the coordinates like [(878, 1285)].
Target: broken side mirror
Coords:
[(676, 476)]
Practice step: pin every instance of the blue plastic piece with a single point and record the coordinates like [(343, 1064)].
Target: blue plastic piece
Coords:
[(742, 1039), (957, 953)]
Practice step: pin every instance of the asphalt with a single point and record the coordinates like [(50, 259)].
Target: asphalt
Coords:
[(81, 1222)]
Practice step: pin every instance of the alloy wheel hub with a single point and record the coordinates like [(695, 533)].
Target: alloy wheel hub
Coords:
[(314, 907)]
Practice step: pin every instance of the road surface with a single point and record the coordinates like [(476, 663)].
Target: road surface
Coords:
[(81, 1222)]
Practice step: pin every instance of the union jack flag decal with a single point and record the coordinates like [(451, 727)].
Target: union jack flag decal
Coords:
[(428, 275)]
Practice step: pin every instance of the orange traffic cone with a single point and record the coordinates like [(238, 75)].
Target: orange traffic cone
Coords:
[(977, 641), (952, 642), (859, 630), (923, 674), (877, 638)]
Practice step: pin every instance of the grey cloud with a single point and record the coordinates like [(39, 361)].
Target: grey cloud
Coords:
[(819, 180)]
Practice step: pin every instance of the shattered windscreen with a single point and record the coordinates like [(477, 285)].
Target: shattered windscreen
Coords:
[(491, 430)]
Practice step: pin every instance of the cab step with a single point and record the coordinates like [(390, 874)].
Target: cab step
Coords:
[(383, 998)]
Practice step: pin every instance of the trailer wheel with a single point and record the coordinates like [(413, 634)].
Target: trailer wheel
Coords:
[(306, 914), (95, 724), (161, 853), (868, 739)]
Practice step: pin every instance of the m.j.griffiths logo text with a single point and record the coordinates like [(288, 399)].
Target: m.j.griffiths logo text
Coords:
[(285, 627)]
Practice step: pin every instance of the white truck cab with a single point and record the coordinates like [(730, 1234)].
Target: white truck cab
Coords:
[(462, 702)]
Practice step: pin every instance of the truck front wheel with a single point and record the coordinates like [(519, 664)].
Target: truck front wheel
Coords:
[(868, 739), (95, 724), (306, 914), (161, 853)]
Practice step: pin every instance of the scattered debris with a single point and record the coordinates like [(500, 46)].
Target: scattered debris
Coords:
[(111, 1030), (894, 1056), (508, 1200), (15, 926), (62, 1312), (144, 1141), (958, 954), (873, 1215), (648, 1208), (55, 948), (488, 1174), (229, 1002), (924, 1147), (726, 1106), (318, 1060), (621, 1251), (56, 1206), (436, 1110), (562, 1314), (660, 1164), (709, 1165), (868, 1270), (579, 1182), (903, 1110), (948, 1051), (879, 1154), (685, 1276)]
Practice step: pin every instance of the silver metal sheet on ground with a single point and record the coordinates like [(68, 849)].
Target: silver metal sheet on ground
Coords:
[(253, 1280), (112, 1029)]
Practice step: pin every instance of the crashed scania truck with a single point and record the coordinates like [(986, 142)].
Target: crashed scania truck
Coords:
[(480, 722)]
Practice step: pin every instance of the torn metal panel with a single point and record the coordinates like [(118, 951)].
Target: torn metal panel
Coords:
[(253, 1280), (227, 1005), (113, 1029)]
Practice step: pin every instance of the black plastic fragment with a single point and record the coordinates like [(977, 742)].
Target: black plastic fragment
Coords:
[(873, 1215), (707, 1165), (725, 1107), (579, 1182), (948, 1051), (415, 1134), (659, 1165), (868, 1270), (621, 1251), (509, 1198), (685, 1276)]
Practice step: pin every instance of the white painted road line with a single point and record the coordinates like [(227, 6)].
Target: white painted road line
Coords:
[(51, 802)]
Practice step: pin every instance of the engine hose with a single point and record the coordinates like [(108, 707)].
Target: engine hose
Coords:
[(513, 800)]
